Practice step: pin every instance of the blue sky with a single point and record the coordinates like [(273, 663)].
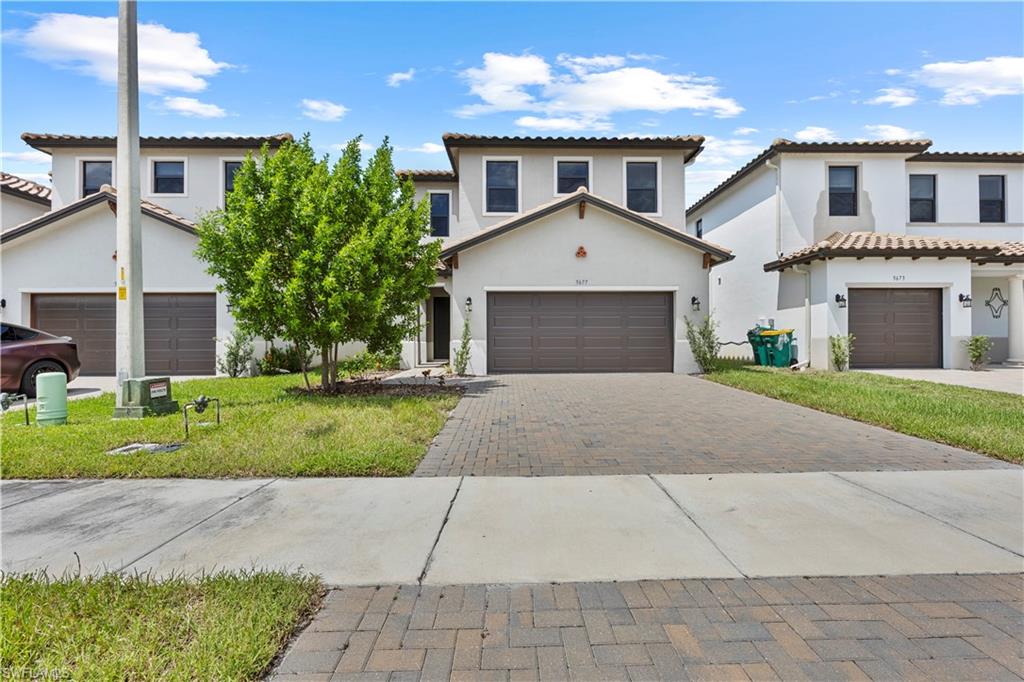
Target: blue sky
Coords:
[(740, 74)]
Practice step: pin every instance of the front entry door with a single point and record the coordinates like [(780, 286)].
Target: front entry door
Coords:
[(442, 327)]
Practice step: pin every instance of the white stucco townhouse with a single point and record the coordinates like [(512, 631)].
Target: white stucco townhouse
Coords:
[(57, 267), (564, 255), (909, 250)]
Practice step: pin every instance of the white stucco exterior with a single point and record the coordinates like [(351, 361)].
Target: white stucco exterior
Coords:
[(15, 210)]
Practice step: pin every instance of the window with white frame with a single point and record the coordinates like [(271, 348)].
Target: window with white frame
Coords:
[(641, 181), (501, 185), (95, 174), (230, 168), (571, 174), (992, 198), (168, 177), (440, 213), (922, 198), (842, 190)]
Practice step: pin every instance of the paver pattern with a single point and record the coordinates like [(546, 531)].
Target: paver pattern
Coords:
[(943, 627), (594, 424)]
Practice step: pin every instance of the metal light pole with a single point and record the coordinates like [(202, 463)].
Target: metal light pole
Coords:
[(131, 359)]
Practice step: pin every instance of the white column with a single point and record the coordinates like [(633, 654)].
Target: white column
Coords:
[(130, 357), (1015, 320)]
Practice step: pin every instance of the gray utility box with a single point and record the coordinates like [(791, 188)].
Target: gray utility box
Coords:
[(145, 396)]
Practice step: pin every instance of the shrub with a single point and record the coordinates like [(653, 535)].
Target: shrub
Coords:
[(704, 345), (461, 360), (978, 348), (364, 362), (286, 360), (840, 347), (238, 350)]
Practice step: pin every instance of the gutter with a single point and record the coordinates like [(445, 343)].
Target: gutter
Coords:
[(807, 308)]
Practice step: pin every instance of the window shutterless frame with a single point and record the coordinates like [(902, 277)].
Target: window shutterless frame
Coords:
[(922, 198), (152, 180), (566, 174), (501, 192), (842, 190), (636, 162), (440, 222), (699, 228), (226, 178), (80, 168), (992, 198)]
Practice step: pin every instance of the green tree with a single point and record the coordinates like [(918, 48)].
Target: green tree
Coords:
[(322, 255)]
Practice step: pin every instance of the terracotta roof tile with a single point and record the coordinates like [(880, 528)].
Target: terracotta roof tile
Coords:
[(46, 141), (880, 244), (976, 157), (26, 189), (427, 175)]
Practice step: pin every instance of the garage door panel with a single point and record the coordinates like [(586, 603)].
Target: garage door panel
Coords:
[(896, 327), (580, 332)]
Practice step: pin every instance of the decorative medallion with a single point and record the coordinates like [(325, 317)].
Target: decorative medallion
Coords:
[(996, 303), (581, 252)]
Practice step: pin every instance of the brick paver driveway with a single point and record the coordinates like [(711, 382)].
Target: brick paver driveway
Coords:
[(582, 424), (940, 627)]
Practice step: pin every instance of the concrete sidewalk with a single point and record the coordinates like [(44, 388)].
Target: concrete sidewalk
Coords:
[(992, 378), (520, 530)]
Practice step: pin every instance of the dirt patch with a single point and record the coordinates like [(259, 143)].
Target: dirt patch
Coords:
[(370, 386)]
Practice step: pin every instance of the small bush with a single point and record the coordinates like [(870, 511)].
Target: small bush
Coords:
[(978, 348), (286, 360), (461, 360), (704, 345), (840, 347), (364, 362), (238, 350)]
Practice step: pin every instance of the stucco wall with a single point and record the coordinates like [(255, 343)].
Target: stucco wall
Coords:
[(541, 255), (983, 321), (956, 203), (16, 211)]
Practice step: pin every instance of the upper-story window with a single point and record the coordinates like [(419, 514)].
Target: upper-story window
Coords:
[(501, 185), (95, 174), (700, 228), (168, 177), (230, 168), (440, 213), (571, 174), (641, 183), (922, 198), (992, 195), (842, 190)]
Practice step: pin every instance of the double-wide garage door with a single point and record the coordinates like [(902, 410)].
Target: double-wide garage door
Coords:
[(899, 328), (579, 332), (180, 330)]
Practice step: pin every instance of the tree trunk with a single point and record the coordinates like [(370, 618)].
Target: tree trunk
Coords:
[(325, 368)]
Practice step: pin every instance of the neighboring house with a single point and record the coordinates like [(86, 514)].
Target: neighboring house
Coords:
[(910, 251), (564, 255), (21, 200), (58, 267)]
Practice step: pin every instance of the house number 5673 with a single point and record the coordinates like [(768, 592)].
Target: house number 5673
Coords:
[(898, 278), (582, 282)]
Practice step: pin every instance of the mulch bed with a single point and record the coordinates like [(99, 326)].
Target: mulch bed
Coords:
[(372, 385)]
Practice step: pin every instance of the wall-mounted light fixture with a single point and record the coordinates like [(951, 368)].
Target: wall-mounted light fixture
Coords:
[(695, 303), (840, 300), (469, 303), (965, 300)]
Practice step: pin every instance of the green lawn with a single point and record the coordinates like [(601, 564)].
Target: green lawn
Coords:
[(985, 421), (265, 431), (221, 627)]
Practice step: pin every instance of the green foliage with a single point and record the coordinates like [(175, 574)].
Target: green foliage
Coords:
[(364, 362), (839, 348), (978, 348), (320, 254), (461, 360), (704, 345), (226, 626), (286, 360), (238, 350)]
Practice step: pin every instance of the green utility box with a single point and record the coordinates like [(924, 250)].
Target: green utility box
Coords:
[(51, 398), (772, 347), (145, 396)]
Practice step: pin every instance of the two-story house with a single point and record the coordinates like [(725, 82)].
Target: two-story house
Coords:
[(910, 251), (58, 269), (563, 255)]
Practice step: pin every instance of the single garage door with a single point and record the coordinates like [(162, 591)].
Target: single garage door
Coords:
[(896, 327), (180, 330), (579, 332)]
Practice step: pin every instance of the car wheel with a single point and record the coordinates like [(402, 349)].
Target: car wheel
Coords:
[(28, 380)]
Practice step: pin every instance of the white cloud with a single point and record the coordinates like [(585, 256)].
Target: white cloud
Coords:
[(815, 134), (972, 82), (323, 110), (816, 98), (884, 131), (168, 59), (893, 72), (745, 131), (399, 77), (584, 92), (728, 152), (425, 148), (701, 181), (33, 156), (895, 97), (190, 106)]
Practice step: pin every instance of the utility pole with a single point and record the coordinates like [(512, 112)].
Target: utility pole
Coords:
[(131, 358)]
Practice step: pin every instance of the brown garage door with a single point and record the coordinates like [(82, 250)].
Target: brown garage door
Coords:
[(180, 330), (896, 327), (575, 332)]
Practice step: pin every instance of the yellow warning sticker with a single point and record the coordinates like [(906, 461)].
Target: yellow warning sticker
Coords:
[(122, 293)]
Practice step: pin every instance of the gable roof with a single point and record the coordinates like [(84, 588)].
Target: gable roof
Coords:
[(783, 146), (720, 253), (24, 189), (46, 141), (883, 245), (106, 194)]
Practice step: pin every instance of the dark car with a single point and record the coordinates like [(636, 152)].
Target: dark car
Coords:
[(26, 353)]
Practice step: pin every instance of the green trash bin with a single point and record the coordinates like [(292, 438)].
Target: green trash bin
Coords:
[(778, 344), (758, 345)]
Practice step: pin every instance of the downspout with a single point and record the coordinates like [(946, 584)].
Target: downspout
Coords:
[(806, 362), (778, 206)]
